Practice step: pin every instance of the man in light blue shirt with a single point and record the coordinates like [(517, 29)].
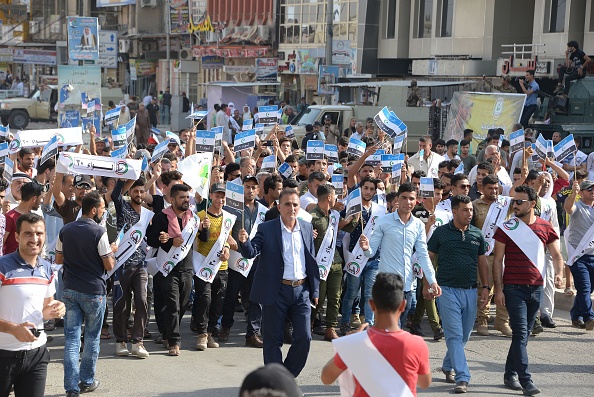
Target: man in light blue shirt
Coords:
[(530, 88), (400, 234)]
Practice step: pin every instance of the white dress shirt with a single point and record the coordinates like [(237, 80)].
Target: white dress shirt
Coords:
[(307, 199), (293, 253)]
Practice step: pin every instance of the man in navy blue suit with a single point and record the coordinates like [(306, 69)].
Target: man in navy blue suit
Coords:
[(286, 282)]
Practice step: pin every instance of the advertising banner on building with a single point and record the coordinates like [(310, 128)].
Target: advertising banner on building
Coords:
[(34, 57), (212, 62), (341, 52), (115, 3), (179, 14), (267, 70), (328, 75), (83, 42), (481, 112)]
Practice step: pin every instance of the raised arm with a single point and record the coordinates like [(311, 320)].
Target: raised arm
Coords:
[(57, 189)]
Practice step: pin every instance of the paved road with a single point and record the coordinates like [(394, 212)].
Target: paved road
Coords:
[(561, 361)]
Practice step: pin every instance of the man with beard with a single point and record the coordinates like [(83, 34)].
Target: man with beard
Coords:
[(132, 275), (166, 233), (68, 208), (31, 196), (84, 250)]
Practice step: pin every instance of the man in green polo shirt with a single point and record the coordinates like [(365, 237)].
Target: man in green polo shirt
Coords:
[(326, 222), (458, 247)]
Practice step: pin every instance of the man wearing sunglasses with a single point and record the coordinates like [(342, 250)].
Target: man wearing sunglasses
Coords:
[(68, 208), (579, 235), (522, 240)]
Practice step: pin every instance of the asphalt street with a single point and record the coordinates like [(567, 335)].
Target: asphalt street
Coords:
[(561, 361)]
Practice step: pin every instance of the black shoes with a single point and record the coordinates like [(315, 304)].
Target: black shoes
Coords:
[(72, 394), (415, 329), (89, 388), (547, 322), (450, 376), (530, 389), (438, 334), (461, 387), (512, 382), (579, 324)]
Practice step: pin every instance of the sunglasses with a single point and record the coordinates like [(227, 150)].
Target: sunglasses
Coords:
[(589, 189), (518, 201), (464, 186)]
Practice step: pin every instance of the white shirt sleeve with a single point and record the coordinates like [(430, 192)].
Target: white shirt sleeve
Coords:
[(103, 247)]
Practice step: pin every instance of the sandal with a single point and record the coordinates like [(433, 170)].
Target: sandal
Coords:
[(568, 292), (174, 350), (105, 334)]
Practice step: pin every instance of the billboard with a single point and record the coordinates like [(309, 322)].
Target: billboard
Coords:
[(267, 70), (481, 112), (83, 42)]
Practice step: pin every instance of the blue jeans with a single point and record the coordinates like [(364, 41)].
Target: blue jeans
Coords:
[(457, 309), (522, 302), (366, 280), (410, 300), (88, 309), (165, 114), (583, 278)]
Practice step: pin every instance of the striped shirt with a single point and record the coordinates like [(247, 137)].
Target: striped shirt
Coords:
[(518, 268)]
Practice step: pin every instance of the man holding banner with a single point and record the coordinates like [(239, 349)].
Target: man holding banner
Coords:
[(173, 231), (579, 237), (132, 220), (522, 240)]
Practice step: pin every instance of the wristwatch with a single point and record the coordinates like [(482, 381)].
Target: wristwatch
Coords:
[(486, 286)]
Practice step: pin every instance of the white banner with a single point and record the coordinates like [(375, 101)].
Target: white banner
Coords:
[(98, 165), (35, 138), (356, 261), (206, 268), (236, 261)]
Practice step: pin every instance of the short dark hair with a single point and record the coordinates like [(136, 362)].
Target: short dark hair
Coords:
[(452, 142), (406, 187), (505, 143), (442, 164), (324, 191), (440, 142), (317, 176), (49, 164), (581, 173), (464, 142), (530, 72), (170, 156), (437, 184), (490, 180), (30, 190), (91, 200), (290, 184), (25, 150), (574, 44), (29, 217), (486, 166), (532, 175), (230, 168), (271, 181), (426, 139), (291, 158), (532, 196), (368, 179), (180, 187), (387, 292), (418, 174), (391, 196), (170, 176), (459, 198), (343, 141), (468, 131), (517, 170), (453, 164), (457, 178), (139, 182)]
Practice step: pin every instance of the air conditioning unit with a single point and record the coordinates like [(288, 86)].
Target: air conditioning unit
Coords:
[(124, 46), (33, 27), (185, 54), (148, 46), (264, 32), (211, 37), (148, 3)]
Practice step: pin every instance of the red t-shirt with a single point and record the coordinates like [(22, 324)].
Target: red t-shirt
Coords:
[(518, 268), (558, 185), (408, 354), (11, 244)]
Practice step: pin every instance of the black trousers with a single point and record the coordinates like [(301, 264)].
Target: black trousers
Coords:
[(173, 293), (208, 302), (133, 280), (238, 283), (26, 370)]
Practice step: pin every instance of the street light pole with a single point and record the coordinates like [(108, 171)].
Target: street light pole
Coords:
[(329, 36), (168, 39)]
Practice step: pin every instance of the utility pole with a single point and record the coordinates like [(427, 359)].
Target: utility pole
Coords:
[(168, 40), (329, 36)]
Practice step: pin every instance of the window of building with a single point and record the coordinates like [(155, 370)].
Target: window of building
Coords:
[(425, 18), (391, 20), (558, 8), (447, 14)]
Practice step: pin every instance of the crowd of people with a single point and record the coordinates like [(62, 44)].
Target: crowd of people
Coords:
[(294, 259)]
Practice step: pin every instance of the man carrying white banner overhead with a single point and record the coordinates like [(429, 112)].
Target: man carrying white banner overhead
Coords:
[(522, 240), (382, 360), (111, 167), (172, 232), (579, 241)]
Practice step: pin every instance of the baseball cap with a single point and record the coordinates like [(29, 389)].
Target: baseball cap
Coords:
[(172, 141), (273, 376), (140, 153), (99, 139), (586, 184), (83, 180), (250, 178), (217, 187)]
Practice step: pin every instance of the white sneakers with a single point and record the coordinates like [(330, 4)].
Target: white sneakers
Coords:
[(138, 350)]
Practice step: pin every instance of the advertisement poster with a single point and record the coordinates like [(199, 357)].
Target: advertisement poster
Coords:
[(306, 64), (267, 70), (69, 118), (83, 41), (179, 14), (328, 76), (481, 112), (76, 80), (341, 52)]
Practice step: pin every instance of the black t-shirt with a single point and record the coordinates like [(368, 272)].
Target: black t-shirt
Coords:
[(152, 111), (578, 58), (166, 99)]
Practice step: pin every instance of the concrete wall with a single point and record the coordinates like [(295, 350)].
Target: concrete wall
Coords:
[(398, 46), (556, 43)]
